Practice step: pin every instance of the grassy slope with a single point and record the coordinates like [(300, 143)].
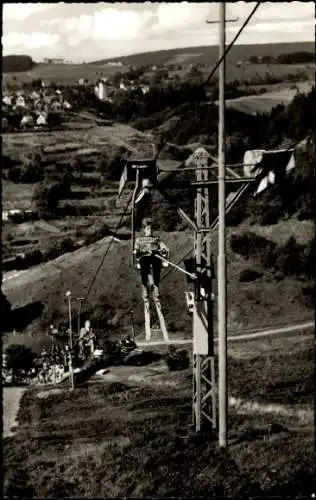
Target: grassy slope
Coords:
[(64, 146), (65, 74), (209, 55), (70, 73), (260, 303), (265, 102), (17, 144), (133, 439)]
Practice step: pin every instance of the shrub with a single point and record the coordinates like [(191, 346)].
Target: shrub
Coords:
[(250, 244), (98, 235), (20, 357), (248, 275), (67, 245), (287, 258), (112, 163), (17, 63), (177, 360), (33, 258), (46, 198)]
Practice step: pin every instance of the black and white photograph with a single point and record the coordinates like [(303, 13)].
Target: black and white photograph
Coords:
[(158, 249)]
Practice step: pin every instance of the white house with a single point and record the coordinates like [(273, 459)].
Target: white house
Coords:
[(41, 120), (7, 100), (145, 89), (27, 120), (100, 90), (7, 213), (123, 86), (20, 101), (34, 96)]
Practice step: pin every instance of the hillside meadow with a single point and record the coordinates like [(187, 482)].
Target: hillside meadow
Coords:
[(128, 434), (263, 301)]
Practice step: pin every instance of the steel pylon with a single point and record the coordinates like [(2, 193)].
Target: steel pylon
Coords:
[(204, 387)]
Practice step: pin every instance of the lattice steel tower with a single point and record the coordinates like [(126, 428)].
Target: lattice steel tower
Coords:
[(204, 389)]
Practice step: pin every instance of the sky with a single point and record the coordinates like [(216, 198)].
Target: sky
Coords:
[(90, 31)]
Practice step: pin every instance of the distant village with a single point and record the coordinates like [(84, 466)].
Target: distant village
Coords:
[(30, 108)]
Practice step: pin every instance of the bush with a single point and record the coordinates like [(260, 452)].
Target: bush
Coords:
[(17, 63), (98, 235), (287, 258), (46, 198), (248, 275), (112, 163), (250, 244), (20, 357), (67, 245), (177, 360), (33, 258)]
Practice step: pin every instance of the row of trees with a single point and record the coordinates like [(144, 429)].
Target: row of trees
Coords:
[(300, 57), (20, 359), (289, 259), (15, 63)]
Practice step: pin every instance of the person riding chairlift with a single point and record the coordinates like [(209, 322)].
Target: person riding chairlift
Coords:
[(146, 247)]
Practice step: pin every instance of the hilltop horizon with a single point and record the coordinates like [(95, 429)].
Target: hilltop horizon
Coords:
[(237, 50)]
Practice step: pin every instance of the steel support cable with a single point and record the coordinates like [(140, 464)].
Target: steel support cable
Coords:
[(105, 254), (133, 214), (229, 207), (215, 67)]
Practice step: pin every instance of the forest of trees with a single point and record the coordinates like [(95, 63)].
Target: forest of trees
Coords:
[(17, 63), (299, 57)]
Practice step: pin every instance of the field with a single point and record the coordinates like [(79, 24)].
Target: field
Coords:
[(70, 74), (65, 74), (117, 290), (129, 434), (209, 54), (265, 102), (16, 196), (88, 188)]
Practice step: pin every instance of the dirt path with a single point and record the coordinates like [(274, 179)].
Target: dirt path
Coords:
[(11, 402), (290, 329)]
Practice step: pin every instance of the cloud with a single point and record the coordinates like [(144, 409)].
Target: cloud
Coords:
[(84, 30), (33, 41), (20, 11)]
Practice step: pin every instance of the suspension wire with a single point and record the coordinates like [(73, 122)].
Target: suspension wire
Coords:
[(227, 50), (214, 70), (292, 147), (189, 252), (105, 254)]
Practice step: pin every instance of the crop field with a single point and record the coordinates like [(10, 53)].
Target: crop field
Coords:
[(91, 195), (209, 54), (16, 195), (250, 71), (129, 434), (265, 102), (63, 74)]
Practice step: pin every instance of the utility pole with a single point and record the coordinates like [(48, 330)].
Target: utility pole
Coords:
[(80, 300), (222, 287), (71, 370), (221, 260)]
